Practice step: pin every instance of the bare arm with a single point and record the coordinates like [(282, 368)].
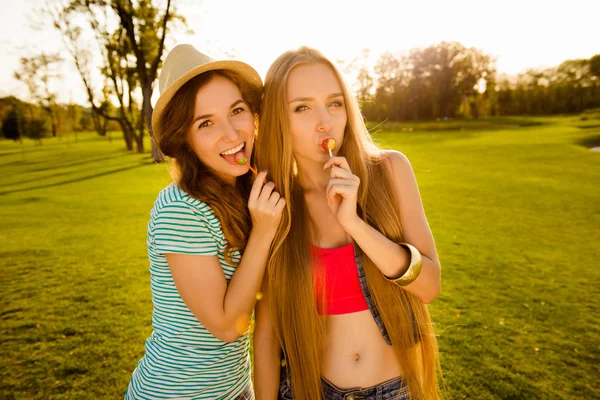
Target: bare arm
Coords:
[(224, 309), (392, 259), (267, 352)]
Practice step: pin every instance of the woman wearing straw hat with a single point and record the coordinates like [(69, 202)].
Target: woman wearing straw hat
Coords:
[(203, 290)]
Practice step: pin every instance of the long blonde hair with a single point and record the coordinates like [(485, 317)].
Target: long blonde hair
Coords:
[(297, 324)]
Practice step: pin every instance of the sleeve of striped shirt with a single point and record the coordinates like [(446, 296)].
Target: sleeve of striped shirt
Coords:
[(180, 228)]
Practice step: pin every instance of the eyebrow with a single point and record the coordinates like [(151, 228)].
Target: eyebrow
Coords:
[(297, 99), (205, 116)]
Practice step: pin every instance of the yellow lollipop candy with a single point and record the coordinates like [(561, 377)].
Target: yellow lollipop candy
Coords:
[(331, 144), (328, 145)]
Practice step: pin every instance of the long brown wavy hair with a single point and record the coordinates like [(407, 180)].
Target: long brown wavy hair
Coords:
[(228, 202), (297, 324)]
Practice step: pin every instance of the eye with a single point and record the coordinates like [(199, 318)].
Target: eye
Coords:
[(237, 110), (301, 108), (205, 124), (336, 103)]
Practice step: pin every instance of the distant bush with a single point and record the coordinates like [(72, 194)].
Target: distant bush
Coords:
[(10, 126), (590, 113), (36, 129)]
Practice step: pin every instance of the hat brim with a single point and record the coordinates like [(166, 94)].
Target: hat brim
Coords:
[(243, 69)]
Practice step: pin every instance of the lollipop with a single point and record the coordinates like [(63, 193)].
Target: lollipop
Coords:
[(240, 159), (328, 145)]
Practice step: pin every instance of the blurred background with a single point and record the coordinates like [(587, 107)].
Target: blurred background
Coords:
[(496, 104)]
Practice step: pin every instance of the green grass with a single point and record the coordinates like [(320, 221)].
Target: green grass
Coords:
[(491, 123), (514, 208)]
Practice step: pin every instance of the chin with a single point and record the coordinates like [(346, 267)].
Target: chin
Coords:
[(231, 173)]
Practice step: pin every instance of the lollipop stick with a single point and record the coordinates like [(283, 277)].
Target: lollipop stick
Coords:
[(330, 146), (252, 169)]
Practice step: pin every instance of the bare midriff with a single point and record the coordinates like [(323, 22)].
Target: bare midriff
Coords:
[(355, 353)]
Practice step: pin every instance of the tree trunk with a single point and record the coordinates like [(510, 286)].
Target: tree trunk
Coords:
[(53, 126), (98, 126), (127, 134), (157, 156), (52, 122), (139, 139)]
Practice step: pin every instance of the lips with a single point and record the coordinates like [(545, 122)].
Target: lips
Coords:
[(327, 144), (230, 155), (234, 149)]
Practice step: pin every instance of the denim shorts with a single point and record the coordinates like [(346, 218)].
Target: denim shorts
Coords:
[(393, 389), (247, 393)]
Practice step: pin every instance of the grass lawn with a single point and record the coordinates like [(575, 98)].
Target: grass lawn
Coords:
[(514, 205)]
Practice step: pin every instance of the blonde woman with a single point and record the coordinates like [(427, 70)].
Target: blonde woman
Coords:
[(203, 288), (354, 263)]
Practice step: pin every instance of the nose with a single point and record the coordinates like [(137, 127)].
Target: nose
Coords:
[(324, 122), (230, 134)]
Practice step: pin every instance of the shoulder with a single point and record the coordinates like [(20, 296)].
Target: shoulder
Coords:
[(396, 164), (172, 200)]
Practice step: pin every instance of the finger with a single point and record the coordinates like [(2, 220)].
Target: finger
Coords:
[(347, 192), (280, 205), (338, 161), (343, 182), (257, 185), (275, 196), (337, 172), (266, 192)]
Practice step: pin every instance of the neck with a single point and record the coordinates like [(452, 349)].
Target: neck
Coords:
[(228, 179), (312, 176)]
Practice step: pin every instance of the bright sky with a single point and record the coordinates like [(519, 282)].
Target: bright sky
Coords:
[(520, 33)]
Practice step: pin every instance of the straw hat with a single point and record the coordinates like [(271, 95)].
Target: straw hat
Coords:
[(183, 63)]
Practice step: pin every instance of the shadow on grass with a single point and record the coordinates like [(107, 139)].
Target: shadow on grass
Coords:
[(46, 146), (52, 176), (460, 125), (67, 164), (11, 153), (84, 178), (591, 141), (76, 163)]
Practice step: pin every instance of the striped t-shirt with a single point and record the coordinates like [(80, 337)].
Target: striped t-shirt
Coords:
[(183, 359)]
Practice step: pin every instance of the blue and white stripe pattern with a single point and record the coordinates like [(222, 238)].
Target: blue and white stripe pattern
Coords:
[(183, 359)]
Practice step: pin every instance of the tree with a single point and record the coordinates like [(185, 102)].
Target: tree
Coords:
[(10, 126), (36, 73), (595, 66), (132, 54), (432, 82), (146, 30), (62, 16)]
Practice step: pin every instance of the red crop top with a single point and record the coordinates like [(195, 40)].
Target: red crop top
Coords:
[(343, 293)]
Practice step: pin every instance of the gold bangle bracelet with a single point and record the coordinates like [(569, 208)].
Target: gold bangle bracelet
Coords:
[(414, 269)]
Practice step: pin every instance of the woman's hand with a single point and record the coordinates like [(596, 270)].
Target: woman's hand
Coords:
[(342, 191), (265, 205)]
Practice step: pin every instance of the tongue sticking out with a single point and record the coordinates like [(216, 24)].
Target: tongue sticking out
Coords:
[(229, 157), (233, 158), (240, 158)]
